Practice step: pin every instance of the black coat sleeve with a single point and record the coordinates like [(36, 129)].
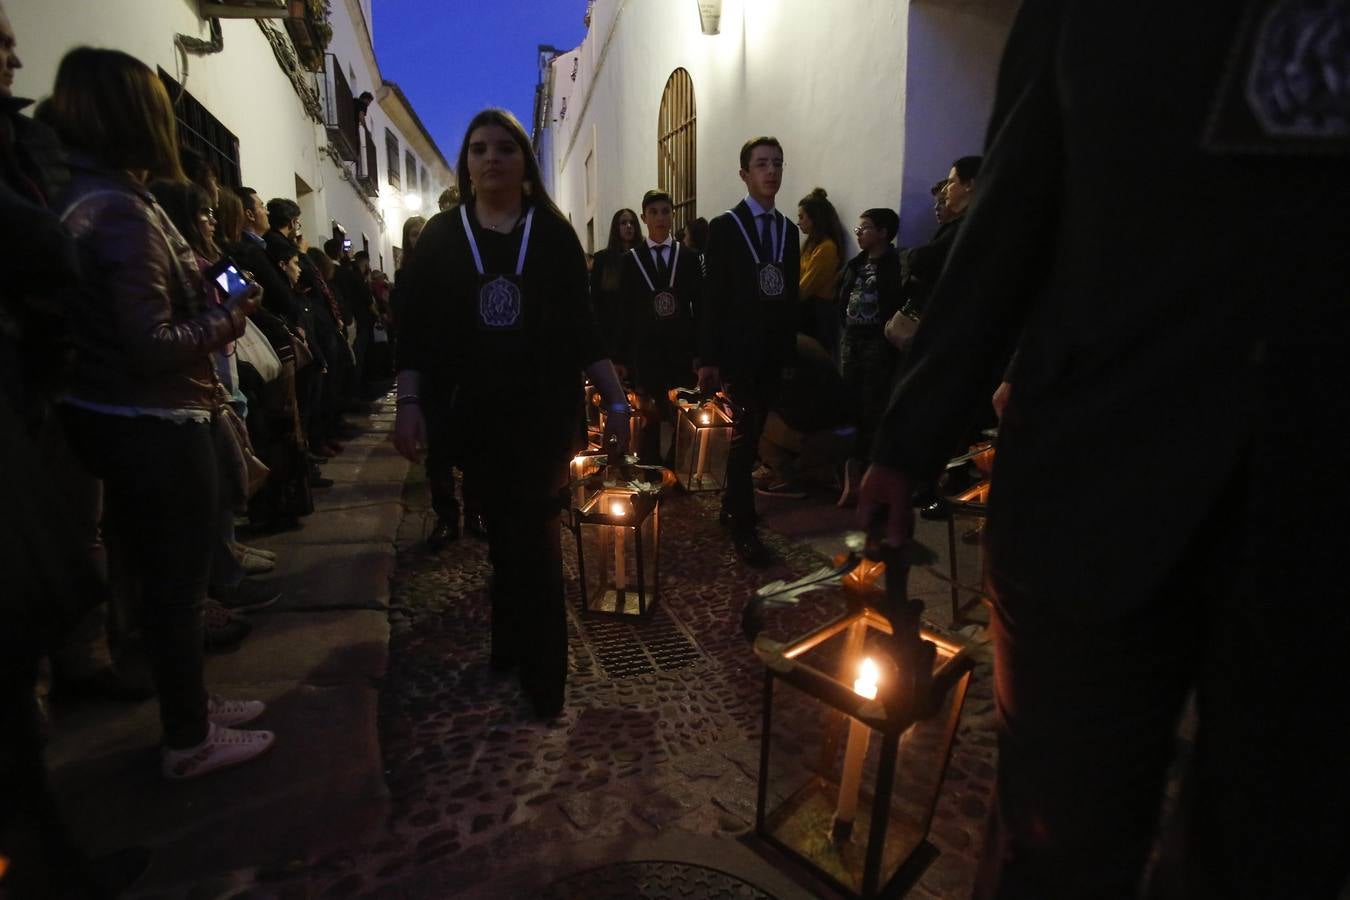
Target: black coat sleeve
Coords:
[(718, 292)]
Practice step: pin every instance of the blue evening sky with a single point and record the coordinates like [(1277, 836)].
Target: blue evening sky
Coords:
[(454, 57)]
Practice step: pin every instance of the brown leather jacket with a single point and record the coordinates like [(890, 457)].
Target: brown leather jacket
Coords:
[(143, 329)]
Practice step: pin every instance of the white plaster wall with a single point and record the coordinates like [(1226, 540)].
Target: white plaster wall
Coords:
[(243, 87), (837, 90), (826, 86), (953, 53)]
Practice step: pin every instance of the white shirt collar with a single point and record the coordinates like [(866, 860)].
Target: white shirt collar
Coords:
[(755, 209), (652, 245)]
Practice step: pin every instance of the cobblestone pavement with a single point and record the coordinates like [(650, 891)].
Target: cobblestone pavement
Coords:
[(489, 802)]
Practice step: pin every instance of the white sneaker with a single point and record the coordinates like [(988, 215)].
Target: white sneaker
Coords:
[(223, 747), (255, 564), (229, 713)]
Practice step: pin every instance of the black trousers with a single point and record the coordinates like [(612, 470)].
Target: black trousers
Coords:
[(752, 395), (529, 619), (1088, 712), (160, 489), (867, 364)]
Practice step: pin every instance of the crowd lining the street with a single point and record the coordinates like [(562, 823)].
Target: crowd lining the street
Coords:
[(177, 361)]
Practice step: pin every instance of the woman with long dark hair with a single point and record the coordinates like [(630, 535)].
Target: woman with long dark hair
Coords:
[(822, 258), (497, 316), (625, 233), (144, 393)]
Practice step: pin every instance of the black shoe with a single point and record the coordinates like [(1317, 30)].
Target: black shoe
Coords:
[(105, 684), (316, 479), (476, 525), (222, 629), (316, 460), (247, 596), (548, 703), (751, 549), (786, 490), (446, 530)]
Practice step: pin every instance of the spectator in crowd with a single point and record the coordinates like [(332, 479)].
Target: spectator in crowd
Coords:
[(318, 276), (696, 235), (810, 431), (251, 253), (940, 210), (660, 285), (607, 274), (356, 276), (921, 265), (272, 411), (747, 323), (822, 256), (449, 199), (186, 205), (869, 294), (499, 311), (144, 384), (49, 584), (1116, 599)]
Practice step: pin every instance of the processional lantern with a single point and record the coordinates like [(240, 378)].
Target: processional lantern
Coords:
[(615, 517), (859, 717), (972, 506), (702, 440)]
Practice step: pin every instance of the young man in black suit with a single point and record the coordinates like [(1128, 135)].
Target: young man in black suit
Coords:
[(747, 327), (660, 285)]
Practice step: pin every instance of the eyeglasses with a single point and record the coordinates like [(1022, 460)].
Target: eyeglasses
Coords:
[(861, 228), (208, 213)]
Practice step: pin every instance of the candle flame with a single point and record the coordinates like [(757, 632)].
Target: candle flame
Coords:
[(616, 508), (705, 418), (866, 685)]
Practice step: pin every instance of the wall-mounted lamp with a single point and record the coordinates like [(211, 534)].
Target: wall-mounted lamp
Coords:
[(412, 202), (710, 16)]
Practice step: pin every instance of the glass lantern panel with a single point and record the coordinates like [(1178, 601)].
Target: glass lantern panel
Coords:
[(619, 549), (702, 442), (823, 763)]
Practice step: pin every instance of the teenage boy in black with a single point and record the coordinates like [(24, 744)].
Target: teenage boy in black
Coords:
[(660, 286), (869, 294), (747, 324)]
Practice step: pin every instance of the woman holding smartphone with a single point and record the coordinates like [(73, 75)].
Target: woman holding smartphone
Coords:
[(144, 389), (496, 314)]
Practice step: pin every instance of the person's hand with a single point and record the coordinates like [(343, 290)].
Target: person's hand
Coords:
[(300, 333), (885, 504), (617, 429), (709, 379), (1001, 397), (249, 301), (410, 432)]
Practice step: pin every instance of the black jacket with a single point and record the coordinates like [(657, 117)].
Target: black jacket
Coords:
[(921, 265), (1171, 342), (659, 343), (519, 386), (739, 331)]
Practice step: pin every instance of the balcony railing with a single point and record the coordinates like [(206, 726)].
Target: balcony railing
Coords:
[(339, 112)]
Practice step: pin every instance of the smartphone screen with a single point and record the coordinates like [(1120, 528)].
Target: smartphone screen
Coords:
[(231, 281)]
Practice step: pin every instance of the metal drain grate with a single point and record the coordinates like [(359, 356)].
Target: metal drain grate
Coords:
[(623, 649)]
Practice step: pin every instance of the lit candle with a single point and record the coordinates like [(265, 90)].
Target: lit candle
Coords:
[(616, 509), (859, 735), (704, 434)]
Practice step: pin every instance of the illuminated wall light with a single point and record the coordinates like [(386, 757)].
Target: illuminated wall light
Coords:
[(412, 202), (710, 16)]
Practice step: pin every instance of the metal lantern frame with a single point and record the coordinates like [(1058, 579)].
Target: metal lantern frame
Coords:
[(970, 504), (634, 534), (703, 432), (924, 674)]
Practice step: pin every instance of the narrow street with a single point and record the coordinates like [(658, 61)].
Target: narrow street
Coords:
[(405, 768)]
